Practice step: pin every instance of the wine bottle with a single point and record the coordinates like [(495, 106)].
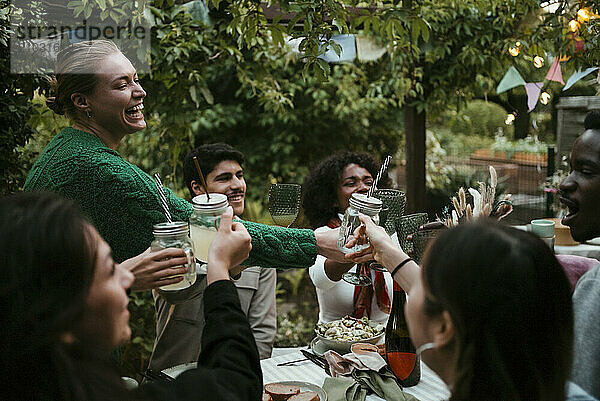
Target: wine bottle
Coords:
[(399, 349)]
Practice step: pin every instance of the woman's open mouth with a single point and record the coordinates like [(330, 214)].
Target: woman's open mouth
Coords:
[(135, 112)]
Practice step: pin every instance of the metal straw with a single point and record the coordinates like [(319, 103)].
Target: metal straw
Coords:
[(203, 181), (379, 174), (163, 198)]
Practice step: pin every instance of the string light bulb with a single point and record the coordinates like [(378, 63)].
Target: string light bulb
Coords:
[(574, 25), (510, 118), (545, 98), (584, 15), (515, 50), (538, 62)]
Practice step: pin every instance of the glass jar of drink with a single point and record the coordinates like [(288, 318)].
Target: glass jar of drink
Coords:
[(175, 235), (359, 203), (205, 220)]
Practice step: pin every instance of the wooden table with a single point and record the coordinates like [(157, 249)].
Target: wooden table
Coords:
[(430, 387)]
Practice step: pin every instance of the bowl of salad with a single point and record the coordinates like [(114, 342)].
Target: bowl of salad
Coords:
[(339, 335)]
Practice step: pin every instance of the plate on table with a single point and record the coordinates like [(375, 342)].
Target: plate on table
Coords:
[(179, 369), (594, 241), (305, 386)]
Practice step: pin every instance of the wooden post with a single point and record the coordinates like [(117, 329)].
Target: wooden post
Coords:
[(414, 123)]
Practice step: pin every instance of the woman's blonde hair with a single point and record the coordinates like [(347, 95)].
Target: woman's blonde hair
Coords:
[(74, 73)]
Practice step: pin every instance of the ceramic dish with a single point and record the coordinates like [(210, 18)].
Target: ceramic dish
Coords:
[(344, 345), (320, 348), (305, 386)]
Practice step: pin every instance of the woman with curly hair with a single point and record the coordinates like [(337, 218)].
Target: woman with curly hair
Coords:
[(327, 191)]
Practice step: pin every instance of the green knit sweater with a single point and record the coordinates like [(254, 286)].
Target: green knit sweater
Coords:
[(122, 202)]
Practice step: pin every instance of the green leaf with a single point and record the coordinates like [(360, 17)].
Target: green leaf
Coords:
[(148, 15), (323, 66), (208, 96), (276, 35), (337, 24), (336, 48), (193, 95)]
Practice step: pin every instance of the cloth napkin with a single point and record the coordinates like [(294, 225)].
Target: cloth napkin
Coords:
[(359, 373), (362, 360), (363, 382)]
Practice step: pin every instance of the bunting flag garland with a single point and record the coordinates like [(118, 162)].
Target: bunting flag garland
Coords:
[(511, 79), (555, 73), (533, 90), (578, 75)]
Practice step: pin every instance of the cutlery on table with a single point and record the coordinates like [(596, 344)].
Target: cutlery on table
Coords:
[(156, 376)]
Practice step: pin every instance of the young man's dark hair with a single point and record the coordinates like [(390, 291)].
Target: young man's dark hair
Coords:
[(208, 156)]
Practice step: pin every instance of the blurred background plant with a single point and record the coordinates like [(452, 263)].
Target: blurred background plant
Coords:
[(552, 187), (478, 118), (503, 147), (294, 329), (297, 308)]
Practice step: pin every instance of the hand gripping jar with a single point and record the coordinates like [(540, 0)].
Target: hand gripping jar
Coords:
[(205, 220), (175, 235), (359, 203)]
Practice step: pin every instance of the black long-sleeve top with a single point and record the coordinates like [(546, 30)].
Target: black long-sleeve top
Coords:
[(228, 365)]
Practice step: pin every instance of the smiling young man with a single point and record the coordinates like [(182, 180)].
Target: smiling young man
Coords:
[(222, 165), (180, 324), (580, 192)]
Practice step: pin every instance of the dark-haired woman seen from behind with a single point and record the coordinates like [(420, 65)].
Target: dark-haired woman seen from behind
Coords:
[(65, 309), (327, 191), (490, 311)]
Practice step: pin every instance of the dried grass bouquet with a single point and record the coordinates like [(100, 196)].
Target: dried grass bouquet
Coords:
[(484, 203)]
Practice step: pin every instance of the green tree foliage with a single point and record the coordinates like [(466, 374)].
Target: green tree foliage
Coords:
[(16, 93), (478, 118), (230, 77)]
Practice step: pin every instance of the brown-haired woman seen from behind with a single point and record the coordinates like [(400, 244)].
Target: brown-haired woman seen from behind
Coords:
[(490, 310), (327, 191), (65, 309)]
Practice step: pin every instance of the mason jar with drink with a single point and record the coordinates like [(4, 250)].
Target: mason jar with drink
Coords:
[(175, 235), (205, 220)]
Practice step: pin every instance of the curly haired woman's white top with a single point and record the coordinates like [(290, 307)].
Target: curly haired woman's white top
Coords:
[(336, 297)]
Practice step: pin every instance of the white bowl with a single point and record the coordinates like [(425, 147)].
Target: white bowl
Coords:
[(344, 346)]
